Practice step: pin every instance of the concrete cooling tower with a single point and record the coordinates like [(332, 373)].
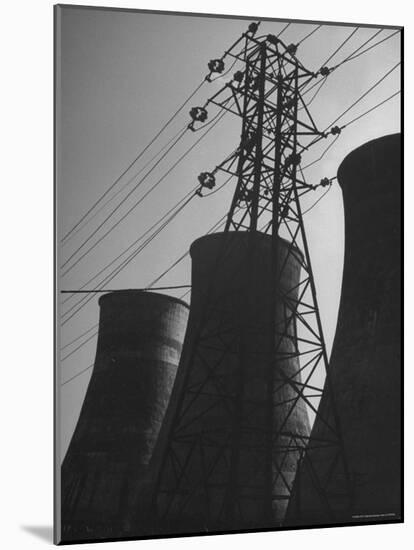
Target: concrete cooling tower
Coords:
[(220, 465), (104, 473), (365, 364)]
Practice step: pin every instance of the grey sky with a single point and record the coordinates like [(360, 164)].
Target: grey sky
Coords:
[(122, 76)]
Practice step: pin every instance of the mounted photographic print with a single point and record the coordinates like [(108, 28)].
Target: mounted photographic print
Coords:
[(228, 274)]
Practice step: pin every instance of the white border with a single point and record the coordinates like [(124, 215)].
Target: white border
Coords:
[(26, 218)]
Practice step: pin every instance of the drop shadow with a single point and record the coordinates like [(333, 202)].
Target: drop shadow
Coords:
[(43, 532)]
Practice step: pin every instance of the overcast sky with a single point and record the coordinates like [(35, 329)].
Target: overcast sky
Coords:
[(121, 76)]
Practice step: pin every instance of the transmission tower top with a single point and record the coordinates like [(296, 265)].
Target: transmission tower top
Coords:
[(277, 128), (228, 454)]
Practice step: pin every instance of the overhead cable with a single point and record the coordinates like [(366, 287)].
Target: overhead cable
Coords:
[(106, 290), (371, 109), (377, 83), (353, 56), (123, 186), (141, 198), (309, 35), (151, 285), (341, 45), (283, 30), (122, 201), (159, 221), (322, 154), (181, 258), (78, 337), (317, 201), (79, 347), (76, 375), (124, 264), (143, 151), (135, 160)]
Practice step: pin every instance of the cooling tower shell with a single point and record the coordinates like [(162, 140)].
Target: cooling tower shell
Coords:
[(233, 271), (365, 365), (104, 473)]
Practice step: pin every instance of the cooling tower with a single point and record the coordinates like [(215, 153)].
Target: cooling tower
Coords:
[(214, 471), (365, 365), (104, 473)]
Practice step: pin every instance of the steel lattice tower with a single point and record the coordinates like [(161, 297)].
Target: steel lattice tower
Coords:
[(220, 460)]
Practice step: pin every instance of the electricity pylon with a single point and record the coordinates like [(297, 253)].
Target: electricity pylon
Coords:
[(227, 456)]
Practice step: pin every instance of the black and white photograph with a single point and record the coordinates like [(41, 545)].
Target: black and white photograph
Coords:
[(228, 274)]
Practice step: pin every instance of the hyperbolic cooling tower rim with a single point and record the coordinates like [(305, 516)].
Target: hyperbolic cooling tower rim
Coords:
[(135, 292), (212, 236), (354, 166)]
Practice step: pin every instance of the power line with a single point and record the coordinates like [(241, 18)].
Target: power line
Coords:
[(137, 240), (150, 286), (180, 108), (350, 56), (78, 337), (309, 35), (108, 278), (323, 194), (219, 188), (324, 133), (372, 109), (283, 30), (373, 45), (320, 86), (341, 45), (78, 374), (145, 195), (317, 91), (175, 263), (181, 258), (79, 347), (123, 200), (185, 294), (322, 155), (135, 159), (364, 94), (313, 205), (83, 301), (351, 107), (178, 137), (103, 290), (124, 264), (133, 254), (354, 54), (351, 122), (316, 202), (117, 193)]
